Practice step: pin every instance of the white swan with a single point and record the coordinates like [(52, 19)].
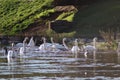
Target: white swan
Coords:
[(23, 48), (54, 46), (10, 53), (45, 47), (31, 43), (20, 44), (64, 47), (64, 44), (59, 47), (75, 49), (90, 48)]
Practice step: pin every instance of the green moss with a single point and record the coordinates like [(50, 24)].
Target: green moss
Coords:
[(44, 13), (17, 15), (69, 16)]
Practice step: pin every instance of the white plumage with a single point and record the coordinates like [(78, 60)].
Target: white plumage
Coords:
[(57, 46), (31, 43), (90, 48), (11, 53), (23, 48), (45, 47), (75, 49)]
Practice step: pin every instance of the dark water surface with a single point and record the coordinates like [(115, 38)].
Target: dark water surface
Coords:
[(61, 66)]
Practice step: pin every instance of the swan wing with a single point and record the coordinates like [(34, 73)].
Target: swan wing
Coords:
[(31, 43)]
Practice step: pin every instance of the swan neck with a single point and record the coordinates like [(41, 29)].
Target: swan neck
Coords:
[(12, 47), (44, 40), (52, 40), (94, 43), (64, 44), (76, 43)]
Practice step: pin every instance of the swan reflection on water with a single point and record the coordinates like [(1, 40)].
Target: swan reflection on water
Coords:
[(61, 65)]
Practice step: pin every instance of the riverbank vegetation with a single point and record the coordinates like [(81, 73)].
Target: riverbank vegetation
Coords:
[(21, 16), (83, 18), (17, 15)]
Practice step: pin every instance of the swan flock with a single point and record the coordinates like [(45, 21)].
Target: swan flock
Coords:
[(45, 47)]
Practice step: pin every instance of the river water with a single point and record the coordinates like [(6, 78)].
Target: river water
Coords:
[(61, 66)]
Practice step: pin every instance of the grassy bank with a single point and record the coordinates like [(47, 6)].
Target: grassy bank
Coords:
[(19, 15)]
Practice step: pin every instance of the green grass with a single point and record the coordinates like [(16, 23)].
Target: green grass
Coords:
[(69, 16), (17, 15)]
